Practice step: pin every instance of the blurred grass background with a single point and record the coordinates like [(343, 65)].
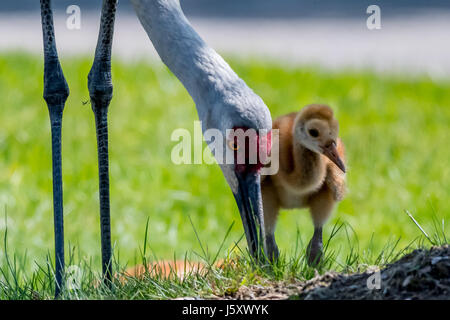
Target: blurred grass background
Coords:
[(396, 131)]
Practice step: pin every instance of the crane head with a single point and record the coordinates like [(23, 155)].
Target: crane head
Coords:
[(245, 123), (249, 158)]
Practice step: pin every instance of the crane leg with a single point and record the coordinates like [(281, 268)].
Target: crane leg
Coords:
[(101, 91), (56, 92)]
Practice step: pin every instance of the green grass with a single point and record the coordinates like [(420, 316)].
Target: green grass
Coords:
[(396, 130)]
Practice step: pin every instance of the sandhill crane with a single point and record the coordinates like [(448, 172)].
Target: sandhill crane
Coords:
[(222, 99), (56, 92), (311, 174)]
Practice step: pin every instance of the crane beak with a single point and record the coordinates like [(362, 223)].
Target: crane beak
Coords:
[(249, 201), (331, 153)]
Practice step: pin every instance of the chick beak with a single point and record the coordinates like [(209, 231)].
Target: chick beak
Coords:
[(331, 152), (249, 201)]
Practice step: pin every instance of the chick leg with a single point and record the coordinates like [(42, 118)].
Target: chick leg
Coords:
[(321, 205), (271, 209)]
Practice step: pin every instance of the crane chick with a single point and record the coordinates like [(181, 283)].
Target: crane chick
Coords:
[(311, 173)]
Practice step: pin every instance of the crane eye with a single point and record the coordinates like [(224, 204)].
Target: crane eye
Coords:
[(233, 145), (313, 133)]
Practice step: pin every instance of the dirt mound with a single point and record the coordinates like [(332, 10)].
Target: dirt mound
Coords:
[(422, 274)]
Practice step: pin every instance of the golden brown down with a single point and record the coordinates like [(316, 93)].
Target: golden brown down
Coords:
[(311, 173)]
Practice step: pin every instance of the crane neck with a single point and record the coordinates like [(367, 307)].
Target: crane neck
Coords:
[(202, 71)]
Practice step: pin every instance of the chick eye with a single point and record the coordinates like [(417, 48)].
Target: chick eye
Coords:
[(233, 145), (313, 133)]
